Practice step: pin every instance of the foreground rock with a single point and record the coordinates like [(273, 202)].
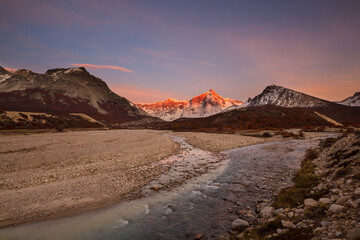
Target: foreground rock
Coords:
[(239, 224)]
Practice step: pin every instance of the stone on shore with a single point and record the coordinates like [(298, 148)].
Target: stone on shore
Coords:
[(239, 224), (287, 224), (324, 200), (343, 200), (267, 212), (309, 202), (334, 208)]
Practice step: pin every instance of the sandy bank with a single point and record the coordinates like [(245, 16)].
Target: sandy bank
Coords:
[(55, 174)]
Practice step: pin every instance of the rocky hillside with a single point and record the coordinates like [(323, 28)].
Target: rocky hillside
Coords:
[(65, 90), (324, 202), (285, 97), (31, 120), (248, 118), (353, 101), (203, 105)]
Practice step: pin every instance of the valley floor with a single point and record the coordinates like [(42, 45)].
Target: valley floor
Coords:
[(50, 175)]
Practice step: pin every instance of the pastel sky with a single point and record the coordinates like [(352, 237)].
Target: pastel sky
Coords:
[(152, 50)]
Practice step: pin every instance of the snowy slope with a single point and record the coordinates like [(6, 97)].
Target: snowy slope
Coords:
[(204, 105), (284, 97), (353, 101)]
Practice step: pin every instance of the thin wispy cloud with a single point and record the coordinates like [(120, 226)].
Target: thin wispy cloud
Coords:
[(10, 69), (172, 56), (93, 66)]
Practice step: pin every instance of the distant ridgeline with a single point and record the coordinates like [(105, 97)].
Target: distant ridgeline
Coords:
[(64, 91)]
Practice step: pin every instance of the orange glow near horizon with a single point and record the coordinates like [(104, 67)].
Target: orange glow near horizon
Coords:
[(93, 66), (10, 69), (142, 95)]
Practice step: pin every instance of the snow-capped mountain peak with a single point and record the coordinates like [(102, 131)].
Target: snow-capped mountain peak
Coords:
[(203, 105), (285, 97), (353, 101)]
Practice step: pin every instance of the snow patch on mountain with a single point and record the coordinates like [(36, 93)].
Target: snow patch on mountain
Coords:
[(284, 97), (353, 101)]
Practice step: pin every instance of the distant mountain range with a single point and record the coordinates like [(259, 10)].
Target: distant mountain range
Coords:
[(203, 105), (75, 90), (210, 103), (65, 90)]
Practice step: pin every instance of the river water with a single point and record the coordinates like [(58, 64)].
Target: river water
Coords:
[(235, 180)]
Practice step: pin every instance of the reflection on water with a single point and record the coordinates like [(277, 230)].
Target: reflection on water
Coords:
[(206, 204)]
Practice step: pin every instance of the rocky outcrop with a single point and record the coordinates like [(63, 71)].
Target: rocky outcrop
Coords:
[(330, 209)]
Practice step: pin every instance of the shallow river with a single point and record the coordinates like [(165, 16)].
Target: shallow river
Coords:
[(235, 180)]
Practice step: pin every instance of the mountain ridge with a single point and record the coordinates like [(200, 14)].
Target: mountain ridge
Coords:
[(203, 105), (352, 101), (65, 90), (286, 97)]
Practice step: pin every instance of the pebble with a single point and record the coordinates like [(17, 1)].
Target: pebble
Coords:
[(343, 200), (287, 224), (279, 210), (199, 236), (324, 200), (357, 191), (325, 223), (309, 202), (267, 212), (239, 224), (334, 208)]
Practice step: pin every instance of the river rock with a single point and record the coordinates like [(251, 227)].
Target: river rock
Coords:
[(334, 208), (278, 211), (338, 234), (301, 225), (325, 223), (287, 224), (357, 191), (353, 234), (239, 224), (199, 236), (324, 200), (343, 200), (267, 212), (309, 202)]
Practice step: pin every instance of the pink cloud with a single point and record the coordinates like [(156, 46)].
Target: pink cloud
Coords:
[(92, 66)]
